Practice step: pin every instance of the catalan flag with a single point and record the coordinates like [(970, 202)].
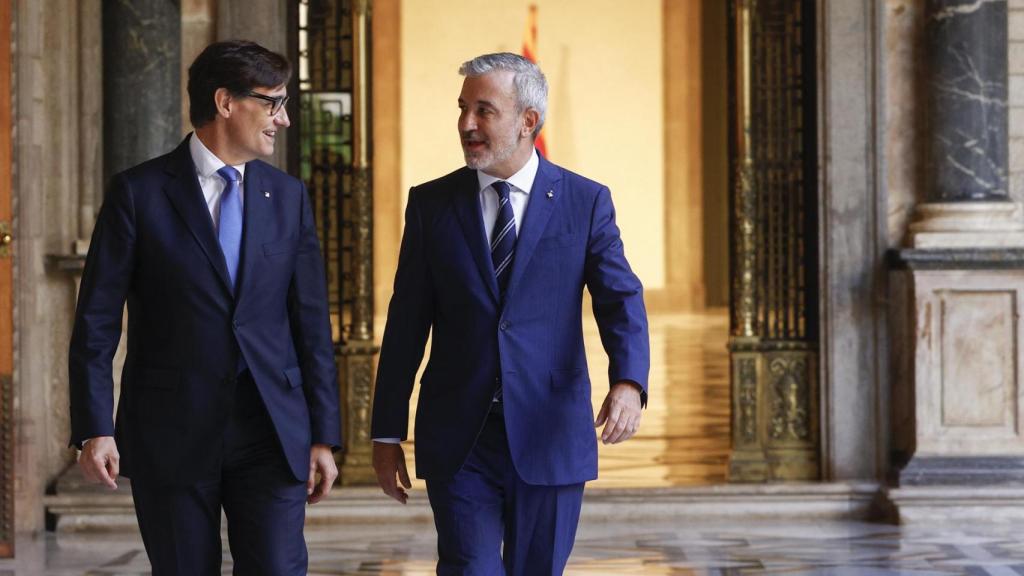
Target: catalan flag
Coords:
[(530, 53)]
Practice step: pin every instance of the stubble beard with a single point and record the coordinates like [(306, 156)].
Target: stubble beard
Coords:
[(489, 157)]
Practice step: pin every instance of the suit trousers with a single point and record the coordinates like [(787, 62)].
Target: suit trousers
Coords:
[(264, 504), (487, 504)]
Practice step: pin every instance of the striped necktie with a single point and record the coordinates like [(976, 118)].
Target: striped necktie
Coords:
[(503, 238)]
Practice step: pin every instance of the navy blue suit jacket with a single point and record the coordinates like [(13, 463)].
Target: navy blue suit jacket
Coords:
[(155, 247), (533, 341)]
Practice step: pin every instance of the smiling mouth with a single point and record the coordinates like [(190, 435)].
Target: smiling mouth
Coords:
[(269, 134)]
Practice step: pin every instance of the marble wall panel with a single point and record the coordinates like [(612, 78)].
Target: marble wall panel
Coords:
[(978, 372), (967, 353)]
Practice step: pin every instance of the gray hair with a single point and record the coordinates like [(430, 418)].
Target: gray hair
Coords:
[(531, 86)]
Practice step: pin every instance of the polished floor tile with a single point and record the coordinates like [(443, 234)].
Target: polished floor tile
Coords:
[(678, 548)]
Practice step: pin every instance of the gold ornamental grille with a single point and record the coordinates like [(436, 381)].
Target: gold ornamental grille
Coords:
[(773, 167)]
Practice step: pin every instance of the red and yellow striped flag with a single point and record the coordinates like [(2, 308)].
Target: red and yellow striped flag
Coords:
[(530, 53)]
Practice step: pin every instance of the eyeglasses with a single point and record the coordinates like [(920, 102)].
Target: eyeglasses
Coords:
[(277, 102)]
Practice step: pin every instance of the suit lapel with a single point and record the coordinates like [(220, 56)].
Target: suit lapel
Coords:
[(538, 212), (258, 212), (467, 206), (187, 198)]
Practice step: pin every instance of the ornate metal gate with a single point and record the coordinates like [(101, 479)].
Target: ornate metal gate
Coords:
[(333, 152), (773, 240)]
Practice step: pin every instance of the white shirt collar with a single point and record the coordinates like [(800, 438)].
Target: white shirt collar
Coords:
[(521, 180), (207, 163)]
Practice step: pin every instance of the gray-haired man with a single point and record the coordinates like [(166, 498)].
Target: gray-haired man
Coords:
[(494, 260)]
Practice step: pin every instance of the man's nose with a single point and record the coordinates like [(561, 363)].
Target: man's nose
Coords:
[(467, 122), (282, 119)]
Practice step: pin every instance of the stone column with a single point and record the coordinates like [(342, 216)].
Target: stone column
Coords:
[(967, 147), (957, 294), (141, 81)]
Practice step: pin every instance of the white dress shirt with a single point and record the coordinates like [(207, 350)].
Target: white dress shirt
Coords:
[(211, 183), (520, 184)]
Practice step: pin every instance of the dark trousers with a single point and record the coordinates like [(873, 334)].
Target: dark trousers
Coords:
[(486, 503), (265, 505)]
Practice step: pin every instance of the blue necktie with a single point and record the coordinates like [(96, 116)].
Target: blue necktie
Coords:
[(229, 229), (503, 237)]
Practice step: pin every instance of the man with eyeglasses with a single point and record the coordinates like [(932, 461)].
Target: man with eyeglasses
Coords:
[(229, 390)]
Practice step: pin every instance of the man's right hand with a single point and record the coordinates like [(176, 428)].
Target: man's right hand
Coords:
[(100, 461), (389, 463)]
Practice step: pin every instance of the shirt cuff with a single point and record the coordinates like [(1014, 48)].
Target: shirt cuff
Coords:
[(388, 440)]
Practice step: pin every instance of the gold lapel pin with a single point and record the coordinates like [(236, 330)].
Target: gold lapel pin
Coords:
[(266, 194), (551, 194)]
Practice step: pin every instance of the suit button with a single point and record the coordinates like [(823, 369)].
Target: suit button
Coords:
[(504, 325)]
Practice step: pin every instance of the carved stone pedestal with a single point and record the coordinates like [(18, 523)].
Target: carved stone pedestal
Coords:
[(959, 414)]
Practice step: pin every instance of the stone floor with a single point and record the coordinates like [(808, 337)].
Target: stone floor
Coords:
[(837, 548)]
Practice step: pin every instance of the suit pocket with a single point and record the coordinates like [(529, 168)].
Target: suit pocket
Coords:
[(571, 379), (293, 377), (286, 246), (163, 379), (560, 241)]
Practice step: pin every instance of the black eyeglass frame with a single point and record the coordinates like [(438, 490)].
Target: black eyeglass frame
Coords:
[(278, 102)]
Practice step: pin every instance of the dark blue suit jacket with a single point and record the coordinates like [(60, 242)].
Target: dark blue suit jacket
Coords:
[(155, 246), (533, 341)]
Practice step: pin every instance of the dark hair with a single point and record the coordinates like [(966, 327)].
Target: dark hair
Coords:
[(237, 65)]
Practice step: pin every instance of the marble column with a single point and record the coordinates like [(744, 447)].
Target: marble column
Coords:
[(141, 81), (958, 415), (966, 181)]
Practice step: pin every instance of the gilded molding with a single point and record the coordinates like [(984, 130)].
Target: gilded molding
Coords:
[(790, 397), (748, 400), (362, 260), (357, 468)]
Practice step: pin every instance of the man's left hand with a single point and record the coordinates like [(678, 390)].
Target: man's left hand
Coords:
[(321, 461), (620, 413)]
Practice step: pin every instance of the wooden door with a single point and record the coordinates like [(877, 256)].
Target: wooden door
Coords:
[(6, 294)]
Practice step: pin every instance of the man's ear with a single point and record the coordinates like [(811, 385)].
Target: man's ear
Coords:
[(530, 120), (223, 100)]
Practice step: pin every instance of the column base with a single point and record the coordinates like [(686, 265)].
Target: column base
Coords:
[(949, 488), (964, 472), (940, 505), (968, 225)]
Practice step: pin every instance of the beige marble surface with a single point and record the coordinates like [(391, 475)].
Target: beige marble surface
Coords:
[(967, 353)]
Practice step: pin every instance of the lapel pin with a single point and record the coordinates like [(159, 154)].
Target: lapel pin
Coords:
[(551, 194), (266, 194)]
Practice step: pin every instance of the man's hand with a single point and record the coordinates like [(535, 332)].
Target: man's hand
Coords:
[(620, 413), (100, 461), (321, 461), (389, 462)]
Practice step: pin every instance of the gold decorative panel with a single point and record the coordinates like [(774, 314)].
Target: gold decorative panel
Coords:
[(773, 240)]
